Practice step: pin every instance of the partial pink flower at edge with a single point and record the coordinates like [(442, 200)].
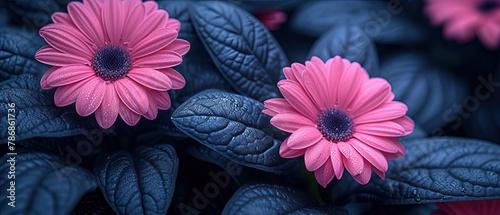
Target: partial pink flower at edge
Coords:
[(462, 20), (272, 19), (483, 207), (339, 118), (113, 58)]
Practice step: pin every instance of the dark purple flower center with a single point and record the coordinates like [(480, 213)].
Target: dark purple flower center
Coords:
[(488, 5), (335, 125), (111, 62)]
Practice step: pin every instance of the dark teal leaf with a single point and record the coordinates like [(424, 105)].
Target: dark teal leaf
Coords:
[(34, 14), (179, 10), (264, 5), (35, 112), (418, 132), (267, 199), (243, 49), (138, 182), (321, 210), (433, 170), (206, 154), (234, 126), (17, 53), (429, 92), (419, 209), (44, 184), (350, 42), (385, 22), (200, 74), (4, 15)]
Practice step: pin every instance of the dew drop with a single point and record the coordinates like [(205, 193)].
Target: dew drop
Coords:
[(417, 198)]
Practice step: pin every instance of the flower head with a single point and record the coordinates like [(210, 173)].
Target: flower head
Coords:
[(483, 207), (113, 58), (339, 117), (464, 19)]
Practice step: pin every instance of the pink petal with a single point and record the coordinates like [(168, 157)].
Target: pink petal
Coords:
[(440, 13), (373, 94), (352, 79), (51, 56), (159, 60), (317, 155), (43, 81), (90, 97), (113, 19), (353, 161), (107, 113), (128, 115), (385, 144), (162, 99), (286, 152), (63, 18), (379, 173), (407, 124), (290, 122), (87, 22), (69, 74), (130, 5), (70, 29), (290, 74), (489, 34), (95, 6), (66, 95), (324, 174), (152, 112), (314, 83), (384, 112), (334, 69), (462, 28), (297, 72), (365, 175), (132, 95), (150, 78), (153, 42), (297, 97), (67, 40), (174, 24), (134, 19), (269, 112), (178, 81), (336, 159), (279, 105), (304, 137), (152, 22), (180, 46), (151, 6), (385, 129), (375, 157)]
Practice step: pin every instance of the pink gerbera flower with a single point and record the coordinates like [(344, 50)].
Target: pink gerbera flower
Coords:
[(464, 19), (483, 207), (338, 118), (113, 57)]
